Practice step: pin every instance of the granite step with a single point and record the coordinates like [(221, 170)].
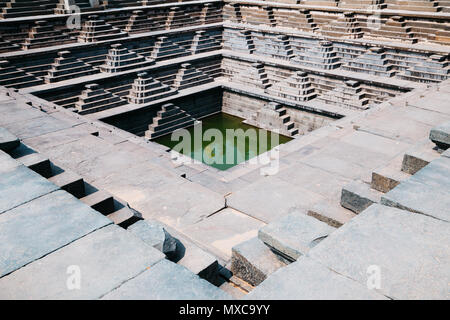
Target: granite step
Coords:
[(101, 201), (252, 261), (294, 234), (358, 196), (38, 163), (440, 135), (124, 217), (8, 141), (418, 157), (70, 182), (388, 177), (331, 213)]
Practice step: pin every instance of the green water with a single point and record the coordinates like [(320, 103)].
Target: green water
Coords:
[(224, 151)]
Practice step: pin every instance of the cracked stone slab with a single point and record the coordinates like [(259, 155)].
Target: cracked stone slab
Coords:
[(8, 141), (43, 225), (440, 135), (294, 234), (106, 258), (306, 279), (37, 126), (253, 261), (167, 281), (20, 185), (410, 250)]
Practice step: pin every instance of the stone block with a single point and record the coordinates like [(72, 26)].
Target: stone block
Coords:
[(409, 250), (306, 279), (106, 258), (70, 182), (357, 196), (387, 178), (125, 217), (416, 159), (42, 226), (8, 141), (331, 213), (101, 201), (294, 234), (20, 185), (38, 163), (440, 135), (7, 163), (166, 281), (253, 261), (154, 234)]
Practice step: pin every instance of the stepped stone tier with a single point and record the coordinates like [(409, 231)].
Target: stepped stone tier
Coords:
[(359, 92)]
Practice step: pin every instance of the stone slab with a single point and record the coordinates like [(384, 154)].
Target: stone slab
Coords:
[(15, 112), (332, 213), (20, 185), (294, 234), (410, 250), (7, 163), (125, 217), (37, 126), (416, 196), (253, 261), (167, 281), (357, 196), (38, 163), (43, 225), (223, 230), (270, 198), (154, 234), (8, 141), (106, 258), (306, 279), (70, 182), (440, 135)]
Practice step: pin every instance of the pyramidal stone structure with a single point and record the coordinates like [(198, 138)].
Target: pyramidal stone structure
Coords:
[(44, 34), (255, 76), (169, 119), (94, 99), (145, 89), (436, 68), (119, 59), (349, 95), (95, 29), (321, 56), (12, 76), (167, 49), (374, 62), (345, 26), (396, 28), (66, 66), (202, 43), (140, 22), (297, 87), (188, 76)]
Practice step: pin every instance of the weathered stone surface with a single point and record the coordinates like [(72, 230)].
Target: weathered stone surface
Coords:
[(20, 185), (154, 234), (38, 163), (167, 281), (101, 201), (106, 258), (270, 198), (294, 234), (357, 196), (8, 141), (410, 250), (331, 213), (413, 195), (70, 182), (440, 135), (386, 178), (223, 230), (253, 261), (125, 217), (43, 225), (415, 160), (7, 163), (309, 280)]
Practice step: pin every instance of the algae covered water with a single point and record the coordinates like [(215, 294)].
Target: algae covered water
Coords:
[(222, 141)]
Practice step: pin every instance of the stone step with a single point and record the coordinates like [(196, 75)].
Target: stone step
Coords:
[(70, 182), (388, 177), (124, 217), (252, 261), (169, 281), (358, 196), (331, 213), (440, 135), (418, 157), (186, 124), (154, 234), (8, 141), (294, 234), (101, 201), (38, 163)]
